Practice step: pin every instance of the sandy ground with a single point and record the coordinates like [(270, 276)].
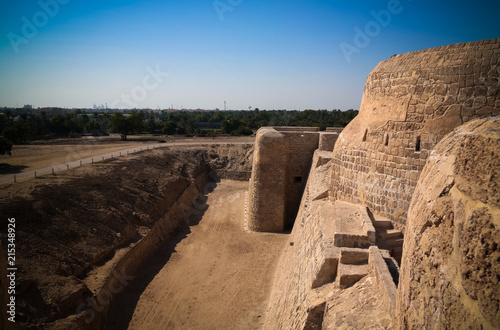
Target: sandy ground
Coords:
[(42, 154), (218, 276)]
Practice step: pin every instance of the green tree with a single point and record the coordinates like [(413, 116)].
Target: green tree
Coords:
[(169, 128), (136, 122), (5, 146), (94, 127), (18, 132), (126, 125), (230, 124), (187, 124)]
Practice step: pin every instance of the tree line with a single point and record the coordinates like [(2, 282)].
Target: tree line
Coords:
[(19, 127)]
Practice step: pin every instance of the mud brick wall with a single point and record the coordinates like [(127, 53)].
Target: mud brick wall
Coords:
[(410, 102)]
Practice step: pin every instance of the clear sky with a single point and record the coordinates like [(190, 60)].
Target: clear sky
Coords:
[(274, 54)]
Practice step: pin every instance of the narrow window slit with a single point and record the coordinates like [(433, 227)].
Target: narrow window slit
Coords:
[(364, 135)]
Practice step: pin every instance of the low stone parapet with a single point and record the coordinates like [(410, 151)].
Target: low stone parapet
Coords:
[(386, 285)]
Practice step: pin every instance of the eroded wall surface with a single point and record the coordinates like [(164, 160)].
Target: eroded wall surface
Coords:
[(281, 164), (410, 102), (451, 261)]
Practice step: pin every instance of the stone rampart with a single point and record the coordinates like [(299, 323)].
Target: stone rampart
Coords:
[(295, 129), (281, 165), (267, 188), (327, 140), (410, 102)]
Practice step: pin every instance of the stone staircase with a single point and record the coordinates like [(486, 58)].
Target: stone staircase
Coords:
[(389, 238), (353, 266)]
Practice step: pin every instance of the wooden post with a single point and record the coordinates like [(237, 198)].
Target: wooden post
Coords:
[(35, 174), (15, 179), (52, 171), (67, 166)]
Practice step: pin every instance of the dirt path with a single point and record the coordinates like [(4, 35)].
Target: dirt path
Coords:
[(218, 277)]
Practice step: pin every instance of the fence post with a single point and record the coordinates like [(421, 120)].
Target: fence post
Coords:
[(15, 179), (35, 174), (52, 171)]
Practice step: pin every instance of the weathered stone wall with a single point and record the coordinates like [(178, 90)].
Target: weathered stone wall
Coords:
[(302, 259), (327, 140), (410, 102), (295, 129), (451, 261), (267, 188), (300, 154), (281, 164)]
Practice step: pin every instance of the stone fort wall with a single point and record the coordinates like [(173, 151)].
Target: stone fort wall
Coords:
[(410, 102), (281, 164)]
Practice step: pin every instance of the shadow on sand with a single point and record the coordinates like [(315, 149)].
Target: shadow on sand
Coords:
[(11, 169)]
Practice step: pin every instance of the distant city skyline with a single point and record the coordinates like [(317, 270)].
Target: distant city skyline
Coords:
[(292, 54)]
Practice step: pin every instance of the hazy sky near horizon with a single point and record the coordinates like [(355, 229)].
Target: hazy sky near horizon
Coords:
[(275, 54)]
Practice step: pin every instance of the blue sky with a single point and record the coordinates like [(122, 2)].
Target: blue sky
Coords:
[(275, 54)]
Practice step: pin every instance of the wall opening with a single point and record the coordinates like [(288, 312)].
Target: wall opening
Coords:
[(386, 139), (297, 179), (417, 144), (364, 135)]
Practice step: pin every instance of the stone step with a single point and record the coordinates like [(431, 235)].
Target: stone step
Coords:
[(394, 242), (391, 233), (382, 223), (354, 256), (350, 274)]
